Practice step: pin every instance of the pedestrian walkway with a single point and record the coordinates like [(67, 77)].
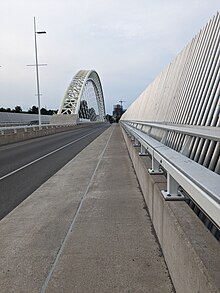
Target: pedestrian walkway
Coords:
[(85, 230)]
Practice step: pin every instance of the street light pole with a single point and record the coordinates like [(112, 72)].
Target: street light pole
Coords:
[(37, 71)]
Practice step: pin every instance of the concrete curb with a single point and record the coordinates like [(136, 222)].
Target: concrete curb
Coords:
[(12, 135), (192, 254), (21, 134)]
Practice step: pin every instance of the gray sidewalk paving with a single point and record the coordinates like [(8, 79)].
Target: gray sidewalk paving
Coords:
[(84, 230)]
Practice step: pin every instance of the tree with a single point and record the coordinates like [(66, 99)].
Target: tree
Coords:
[(17, 109), (109, 118), (33, 110), (44, 111)]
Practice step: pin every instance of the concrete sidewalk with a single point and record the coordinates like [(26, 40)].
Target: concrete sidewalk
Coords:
[(85, 230)]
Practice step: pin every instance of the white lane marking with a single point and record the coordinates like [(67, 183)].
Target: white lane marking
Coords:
[(45, 285), (32, 162)]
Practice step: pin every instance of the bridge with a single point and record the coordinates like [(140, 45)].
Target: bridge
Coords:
[(128, 207), (83, 100)]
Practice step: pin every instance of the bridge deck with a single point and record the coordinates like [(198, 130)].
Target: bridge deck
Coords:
[(84, 230)]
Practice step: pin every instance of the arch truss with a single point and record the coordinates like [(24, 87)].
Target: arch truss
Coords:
[(84, 97)]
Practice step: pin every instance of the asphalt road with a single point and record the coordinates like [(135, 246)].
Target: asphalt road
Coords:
[(24, 166)]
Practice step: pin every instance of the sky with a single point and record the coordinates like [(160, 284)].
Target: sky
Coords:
[(127, 42)]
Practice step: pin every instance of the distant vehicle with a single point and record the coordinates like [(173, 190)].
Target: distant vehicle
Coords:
[(33, 122)]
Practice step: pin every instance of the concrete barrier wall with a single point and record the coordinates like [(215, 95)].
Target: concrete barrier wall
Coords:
[(64, 119), (191, 252), (20, 134), (13, 119)]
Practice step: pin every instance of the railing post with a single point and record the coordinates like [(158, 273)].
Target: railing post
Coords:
[(155, 168), (143, 151), (172, 192), (136, 142)]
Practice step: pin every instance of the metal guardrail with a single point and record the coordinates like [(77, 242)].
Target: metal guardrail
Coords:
[(15, 129), (207, 132), (202, 185), (28, 128)]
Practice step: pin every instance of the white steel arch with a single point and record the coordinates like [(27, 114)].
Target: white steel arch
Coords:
[(84, 97)]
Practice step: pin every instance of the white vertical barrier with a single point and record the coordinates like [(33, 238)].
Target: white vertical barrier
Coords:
[(187, 92)]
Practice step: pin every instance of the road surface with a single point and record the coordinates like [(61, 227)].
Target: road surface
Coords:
[(28, 164)]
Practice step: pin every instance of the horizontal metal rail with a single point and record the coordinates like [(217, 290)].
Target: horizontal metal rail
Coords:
[(202, 185), (16, 129), (29, 128), (207, 132)]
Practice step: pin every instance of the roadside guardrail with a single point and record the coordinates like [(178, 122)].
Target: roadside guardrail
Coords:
[(200, 183), (19, 133)]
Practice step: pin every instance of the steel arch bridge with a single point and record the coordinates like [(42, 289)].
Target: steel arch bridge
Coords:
[(84, 97)]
